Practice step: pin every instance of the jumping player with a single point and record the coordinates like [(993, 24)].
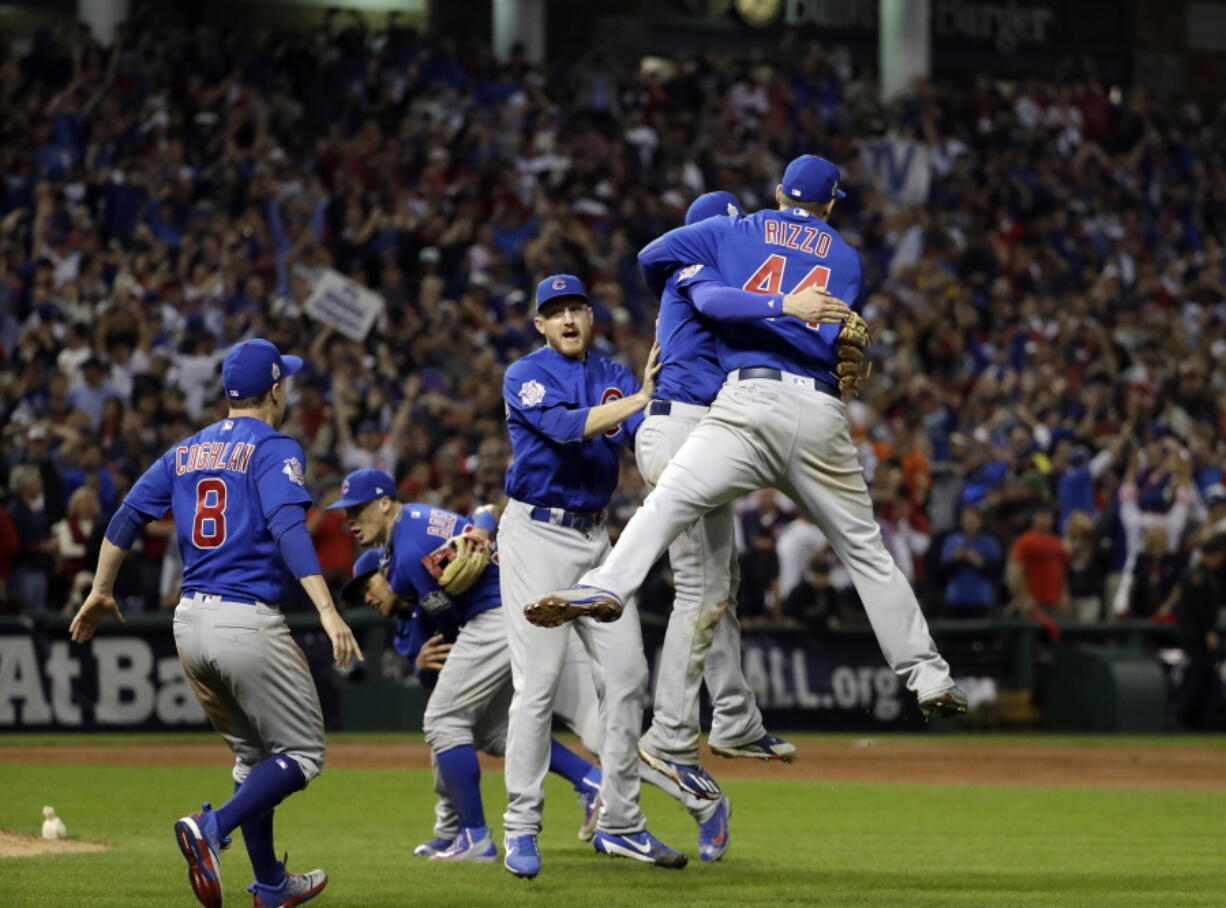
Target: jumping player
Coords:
[(568, 411), (703, 640), (239, 500), (778, 421), (460, 621)]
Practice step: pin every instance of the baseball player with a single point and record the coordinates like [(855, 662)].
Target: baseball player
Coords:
[(239, 500), (576, 703), (778, 421), (568, 411), (703, 636), (438, 569)]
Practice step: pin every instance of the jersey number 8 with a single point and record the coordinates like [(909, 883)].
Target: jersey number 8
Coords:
[(209, 526)]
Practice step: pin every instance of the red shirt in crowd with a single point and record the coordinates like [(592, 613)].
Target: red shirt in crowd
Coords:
[(1043, 562)]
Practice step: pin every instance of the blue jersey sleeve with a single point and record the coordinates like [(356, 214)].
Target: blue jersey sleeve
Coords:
[(529, 394), (279, 469), (415, 539), (696, 244), (409, 635), (151, 495), (409, 578), (704, 286)]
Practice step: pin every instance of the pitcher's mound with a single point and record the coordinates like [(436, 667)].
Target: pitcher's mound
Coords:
[(20, 845)]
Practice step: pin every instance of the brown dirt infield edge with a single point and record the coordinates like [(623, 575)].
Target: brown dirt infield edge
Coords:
[(844, 760), (20, 845)]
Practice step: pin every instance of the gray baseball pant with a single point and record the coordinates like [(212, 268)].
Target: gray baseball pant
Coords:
[(483, 670), (536, 557), (763, 434), (252, 680), (703, 639)]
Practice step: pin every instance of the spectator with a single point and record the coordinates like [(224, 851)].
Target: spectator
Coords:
[(10, 546), (89, 470), (76, 536), (1215, 505), (1088, 564), (761, 527), (38, 454), (93, 390), (36, 547), (798, 542), (1036, 572), (371, 447), (1200, 603), (1161, 495), (905, 542), (971, 560), (1155, 574), (813, 602), (333, 542)]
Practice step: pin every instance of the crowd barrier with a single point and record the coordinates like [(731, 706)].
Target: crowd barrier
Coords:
[(1100, 677)]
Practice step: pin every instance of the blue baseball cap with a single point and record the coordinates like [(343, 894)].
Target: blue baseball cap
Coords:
[(366, 565), (812, 179), (557, 285), (362, 486), (712, 205), (253, 366)]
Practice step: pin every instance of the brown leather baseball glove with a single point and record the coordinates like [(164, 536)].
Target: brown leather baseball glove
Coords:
[(854, 341)]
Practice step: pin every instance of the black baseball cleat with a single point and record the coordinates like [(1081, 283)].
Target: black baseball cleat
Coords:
[(951, 702)]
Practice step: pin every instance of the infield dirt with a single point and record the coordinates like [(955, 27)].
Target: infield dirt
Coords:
[(842, 760)]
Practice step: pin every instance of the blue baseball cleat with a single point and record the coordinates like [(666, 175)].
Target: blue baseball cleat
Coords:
[(641, 846), (197, 838), (767, 747), (560, 606), (589, 797), (434, 846), (472, 844), (523, 858), (713, 832), (295, 889), (690, 777)]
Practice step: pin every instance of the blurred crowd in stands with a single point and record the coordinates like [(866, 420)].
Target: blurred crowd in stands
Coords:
[(1043, 433)]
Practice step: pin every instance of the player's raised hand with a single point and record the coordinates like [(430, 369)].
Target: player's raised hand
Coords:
[(815, 306), (95, 607), (650, 371), (433, 654), (344, 645)]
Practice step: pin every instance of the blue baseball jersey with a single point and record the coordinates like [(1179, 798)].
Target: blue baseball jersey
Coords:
[(689, 358), (224, 484), (413, 572), (547, 397), (765, 252)]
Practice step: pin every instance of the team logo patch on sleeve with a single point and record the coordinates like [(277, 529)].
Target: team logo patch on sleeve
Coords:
[(688, 272), (293, 470), (531, 393)]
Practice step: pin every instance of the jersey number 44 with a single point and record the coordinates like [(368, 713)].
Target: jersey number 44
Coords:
[(769, 278)]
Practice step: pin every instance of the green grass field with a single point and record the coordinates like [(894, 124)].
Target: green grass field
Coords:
[(807, 843)]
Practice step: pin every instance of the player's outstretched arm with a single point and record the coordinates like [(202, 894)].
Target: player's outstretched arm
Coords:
[(101, 600), (723, 303), (615, 412), (344, 645), (149, 496)]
